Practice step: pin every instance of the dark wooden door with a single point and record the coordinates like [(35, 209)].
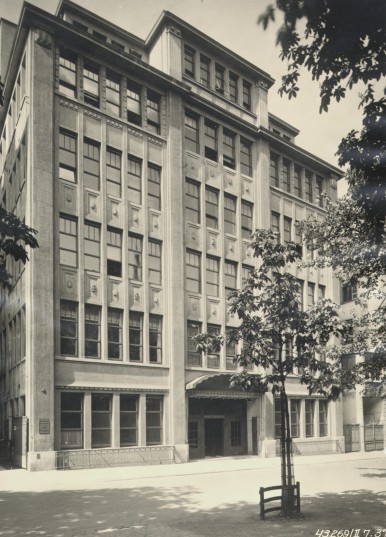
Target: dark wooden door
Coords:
[(214, 437)]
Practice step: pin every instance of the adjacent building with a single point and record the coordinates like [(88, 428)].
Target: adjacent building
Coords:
[(145, 165)]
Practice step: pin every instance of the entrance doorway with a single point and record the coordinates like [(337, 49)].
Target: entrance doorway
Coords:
[(214, 437)]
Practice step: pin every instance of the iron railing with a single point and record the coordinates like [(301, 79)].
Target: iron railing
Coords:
[(101, 458)]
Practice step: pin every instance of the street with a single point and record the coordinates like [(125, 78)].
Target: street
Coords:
[(209, 498)]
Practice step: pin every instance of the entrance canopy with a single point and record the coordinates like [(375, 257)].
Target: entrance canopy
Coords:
[(216, 387)]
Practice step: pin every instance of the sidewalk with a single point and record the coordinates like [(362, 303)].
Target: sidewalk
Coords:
[(22, 480)]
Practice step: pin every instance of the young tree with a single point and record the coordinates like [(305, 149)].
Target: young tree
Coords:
[(15, 237), (278, 337)]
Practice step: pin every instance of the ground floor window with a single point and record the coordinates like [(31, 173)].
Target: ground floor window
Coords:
[(128, 420), (154, 419), (306, 426), (71, 420), (323, 418), (100, 421)]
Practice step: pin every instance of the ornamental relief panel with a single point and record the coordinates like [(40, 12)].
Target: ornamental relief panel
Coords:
[(155, 300), (155, 224), (230, 181), (68, 198), (115, 293), (231, 248), (136, 296), (247, 253), (193, 236), (92, 208), (212, 173), (193, 307), (192, 166), (92, 288), (135, 219), (213, 242), (247, 188), (68, 283), (213, 311), (114, 212)]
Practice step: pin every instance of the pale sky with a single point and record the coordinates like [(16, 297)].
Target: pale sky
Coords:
[(234, 25)]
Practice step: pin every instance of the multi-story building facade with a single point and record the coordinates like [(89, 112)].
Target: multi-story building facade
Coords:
[(145, 165)]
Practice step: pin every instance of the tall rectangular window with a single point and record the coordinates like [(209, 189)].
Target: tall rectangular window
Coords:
[(91, 167), (154, 419), (275, 223), (113, 173), (155, 339), (230, 351), (319, 190), (211, 149), (68, 328), (135, 257), (114, 253), (298, 181), (67, 156), (67, 72), (246, 219), (71, 420), (154, 187), (246, 157), (323, 424), (193, 272), (219, 77), (128, 420), (300, 293), (233, 87), (68, 242), (91, 83), (100, 420), (212, 276), (274, 170), (92, 331), (321, 292), (245, 273), (247, 99), (114, 333), (229, 149), (310, 294), (133, 100), (349, 293), (192, 201), (211, 208), (92, 247), (229, 214), (113, 95), (287, 229), (308, 186), (155, 262), (194, 356), (204, 71), (153, 112), (213, 358), (286, 175), (294, 417), (309, 411), (230, 276), (135, 336), (134, 173), (191, 133), (189, 61)]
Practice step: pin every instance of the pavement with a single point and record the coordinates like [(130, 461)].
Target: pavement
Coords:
[(206, 498)]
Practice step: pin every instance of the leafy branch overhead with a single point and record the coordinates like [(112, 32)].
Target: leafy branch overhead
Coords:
[(15, 237), (342, 44)]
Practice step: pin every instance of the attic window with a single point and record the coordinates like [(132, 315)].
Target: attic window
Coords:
[(135, 53), (79, 26), (99, 36), (117, 45)]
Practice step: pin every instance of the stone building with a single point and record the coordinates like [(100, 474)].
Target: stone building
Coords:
[(145, 165)]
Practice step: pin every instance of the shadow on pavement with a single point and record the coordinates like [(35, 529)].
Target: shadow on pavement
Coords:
[(177, 512), (375, 472)]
